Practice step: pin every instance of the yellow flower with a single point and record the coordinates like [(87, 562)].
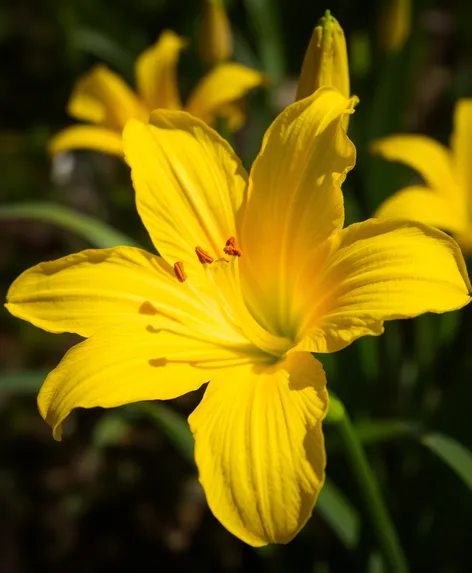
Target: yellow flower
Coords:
[(103, 100), (445, 199), (215, 40), (325, 62), (255, 274)]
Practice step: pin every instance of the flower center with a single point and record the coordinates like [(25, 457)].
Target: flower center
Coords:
[(224, 289)]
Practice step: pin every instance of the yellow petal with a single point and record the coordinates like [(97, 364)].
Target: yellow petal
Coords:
[(259, 448), (325, 62), (431, 159), (94, 289), (156, 72), (462, 148), (295, 203), (424, 205), (102, 97), (224, 84), (384, 270), (189, 185), (86, 137), (127, 364)]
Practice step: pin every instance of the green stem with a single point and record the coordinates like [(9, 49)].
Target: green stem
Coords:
[(378, 513)]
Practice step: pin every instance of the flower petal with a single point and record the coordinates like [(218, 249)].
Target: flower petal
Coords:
[(384, 270), (102, 97), (127, 364), (88, 291), (224, 84), (86, 137), (295, 203), (156, 72), (259, 448), (189, 185), (424, 205), (462, 147), (431, 159)]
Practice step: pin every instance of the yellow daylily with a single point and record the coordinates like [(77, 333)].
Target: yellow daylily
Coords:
[(255, 273), (326, 61), (103, 100), (445, 199)]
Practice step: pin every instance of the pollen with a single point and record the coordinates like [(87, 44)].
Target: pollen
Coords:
[(203, 256), (231, 248), (179, 271)]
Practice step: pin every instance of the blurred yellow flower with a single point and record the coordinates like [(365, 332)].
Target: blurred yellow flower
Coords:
[(445, 198), (103, 100), (256, 272), (215, 41), (395, 24), (326, 61)]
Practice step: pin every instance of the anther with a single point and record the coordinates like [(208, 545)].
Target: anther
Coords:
[(203, 256), (179, 271), (231, 248)]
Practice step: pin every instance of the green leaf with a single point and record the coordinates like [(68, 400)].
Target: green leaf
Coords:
[(339, 514), (97, 233), (26, 382), (453, 454), (102, 47), (265, 19), (336, 411), (173, 424)]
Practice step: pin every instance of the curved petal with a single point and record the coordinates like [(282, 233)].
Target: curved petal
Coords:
[(102, 97), (86, 137), (431, 159), (224, 84), (462, 147), (424, 205), (384, 270), (156, 72), (189, 185), (259, 448), (295, 203), (94, 289), (127, 364)]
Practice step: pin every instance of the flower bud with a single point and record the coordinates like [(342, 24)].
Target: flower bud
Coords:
[(395, 25), (215, 42), (325, 62)]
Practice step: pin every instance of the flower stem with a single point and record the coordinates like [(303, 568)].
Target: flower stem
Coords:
[(376, 508)]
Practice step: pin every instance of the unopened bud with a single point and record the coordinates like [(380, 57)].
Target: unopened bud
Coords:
[(395, 24), (325, 62), (215, 41)]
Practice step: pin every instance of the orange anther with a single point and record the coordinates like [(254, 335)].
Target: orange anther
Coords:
[(203, 256), (231, 248), (179, 271)]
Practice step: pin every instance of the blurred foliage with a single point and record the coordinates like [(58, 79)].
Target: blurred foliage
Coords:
[(119, 493)]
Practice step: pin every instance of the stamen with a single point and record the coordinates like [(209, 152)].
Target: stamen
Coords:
[(231, 248), (203, 256), (179, 271)]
